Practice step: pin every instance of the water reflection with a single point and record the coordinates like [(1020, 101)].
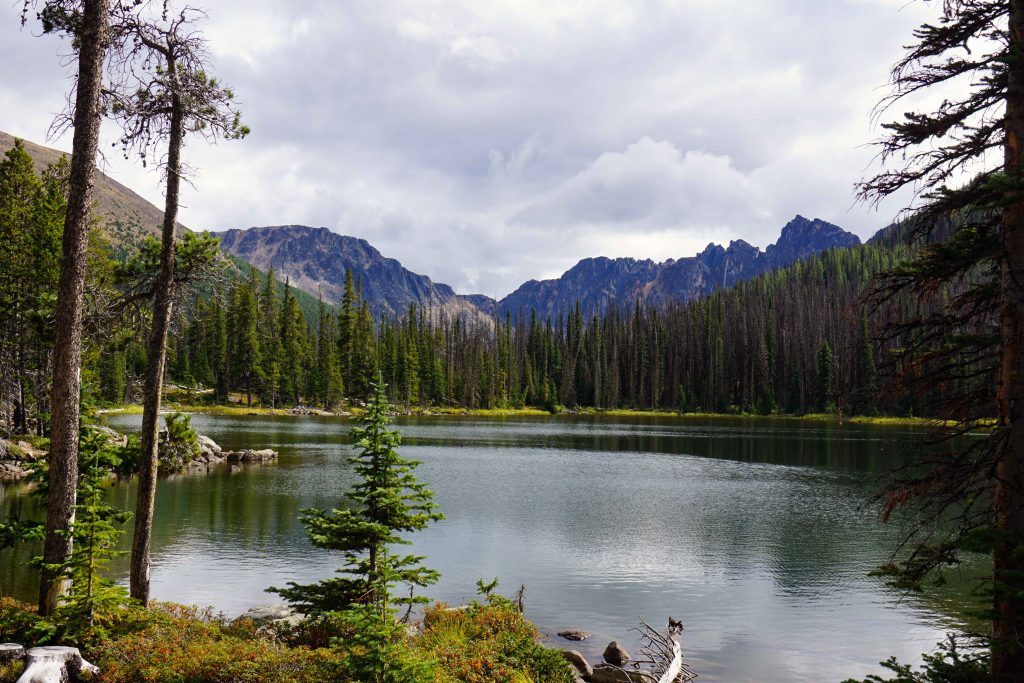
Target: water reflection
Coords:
[(751, 531)]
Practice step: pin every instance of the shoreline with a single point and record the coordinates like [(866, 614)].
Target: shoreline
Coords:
[(236, 410)]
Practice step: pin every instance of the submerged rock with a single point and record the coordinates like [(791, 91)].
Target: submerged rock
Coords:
[(574, 634)]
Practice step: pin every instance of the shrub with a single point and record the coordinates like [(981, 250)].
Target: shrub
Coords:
[(188, 645), (488, 642)]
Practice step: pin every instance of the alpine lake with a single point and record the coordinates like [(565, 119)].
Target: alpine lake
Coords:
[(755, 532)]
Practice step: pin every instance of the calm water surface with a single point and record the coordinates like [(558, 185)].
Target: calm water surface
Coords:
[(750, 531)]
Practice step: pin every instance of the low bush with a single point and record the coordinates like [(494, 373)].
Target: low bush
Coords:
[(488, 642), (188, 645)]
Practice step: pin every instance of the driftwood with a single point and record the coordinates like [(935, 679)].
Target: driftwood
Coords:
[(54, 664), (664, 653)]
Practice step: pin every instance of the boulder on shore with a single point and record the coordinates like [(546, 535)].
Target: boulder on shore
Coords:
[(608, 673), (615, 654), (207, 445), (579, 663), (265, 614)]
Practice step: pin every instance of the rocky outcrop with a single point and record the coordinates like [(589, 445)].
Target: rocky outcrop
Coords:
[(315, 260), (15, 459)]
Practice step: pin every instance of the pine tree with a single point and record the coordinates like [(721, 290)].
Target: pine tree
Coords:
[(387, 501), (826, 379), (972, 341)]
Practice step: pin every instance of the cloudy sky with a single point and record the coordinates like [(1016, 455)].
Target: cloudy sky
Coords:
[(487, 142)]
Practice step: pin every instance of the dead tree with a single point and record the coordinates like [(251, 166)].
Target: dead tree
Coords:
[(163, 93)]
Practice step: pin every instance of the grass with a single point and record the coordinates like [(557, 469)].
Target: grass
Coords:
[(239, 410)]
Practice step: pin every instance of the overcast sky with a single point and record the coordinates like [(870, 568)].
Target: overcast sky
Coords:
[(487, 142)]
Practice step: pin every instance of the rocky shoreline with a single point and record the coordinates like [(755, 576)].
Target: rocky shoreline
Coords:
[(17, 456)]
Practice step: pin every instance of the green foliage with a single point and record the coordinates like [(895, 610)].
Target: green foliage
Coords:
[(954, 662), (387, 502), (374, 648), (826, 378), (97, 528), (179, 444), (488, 642), (185, 644), (93, 602)]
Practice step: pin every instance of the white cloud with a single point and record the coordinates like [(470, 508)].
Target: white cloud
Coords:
[(484, 144)]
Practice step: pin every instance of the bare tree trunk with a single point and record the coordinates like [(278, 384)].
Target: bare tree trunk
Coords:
[(156, 350), (63, 459), (1008, 560)]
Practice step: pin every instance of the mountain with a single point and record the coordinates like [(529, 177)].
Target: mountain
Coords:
[(315, 260), (597, 282), (125, 217)]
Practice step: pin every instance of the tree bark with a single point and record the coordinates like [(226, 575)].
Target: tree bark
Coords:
[(1008, 559), (163, 303), (65, 403)]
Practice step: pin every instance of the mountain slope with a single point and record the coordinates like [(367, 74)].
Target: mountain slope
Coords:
[(315, 260), (598, 282), (125, 217)]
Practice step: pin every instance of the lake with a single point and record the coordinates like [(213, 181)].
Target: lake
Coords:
[(753, 532)]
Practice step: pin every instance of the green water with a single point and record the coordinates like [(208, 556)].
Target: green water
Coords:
[(752, 531)]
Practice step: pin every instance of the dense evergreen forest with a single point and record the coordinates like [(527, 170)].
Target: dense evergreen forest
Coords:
[(795, 340)]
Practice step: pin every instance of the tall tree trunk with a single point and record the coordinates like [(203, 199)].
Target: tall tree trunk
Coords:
[(156, 350), (1008, 560), (67, 379)]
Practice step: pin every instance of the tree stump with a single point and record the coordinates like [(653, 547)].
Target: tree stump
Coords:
[(54, 664), (10, 652)]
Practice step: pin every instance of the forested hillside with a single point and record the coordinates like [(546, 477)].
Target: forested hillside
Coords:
[(793, 340)]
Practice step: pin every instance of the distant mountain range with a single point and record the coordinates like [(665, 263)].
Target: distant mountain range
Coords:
[(598, 282), (315, 260)]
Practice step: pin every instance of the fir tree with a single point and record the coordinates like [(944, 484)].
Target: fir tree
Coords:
[(387, 502), (826, 378)]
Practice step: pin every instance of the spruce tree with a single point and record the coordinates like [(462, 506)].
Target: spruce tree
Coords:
[(387, 502), (826, 378), (973, 341)]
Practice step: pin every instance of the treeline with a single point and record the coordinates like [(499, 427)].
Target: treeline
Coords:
[(795, 340)]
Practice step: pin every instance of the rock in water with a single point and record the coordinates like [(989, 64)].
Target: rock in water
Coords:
[(580, 663), (616, 654), (54, 664), (574, 634), (251, 455)]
